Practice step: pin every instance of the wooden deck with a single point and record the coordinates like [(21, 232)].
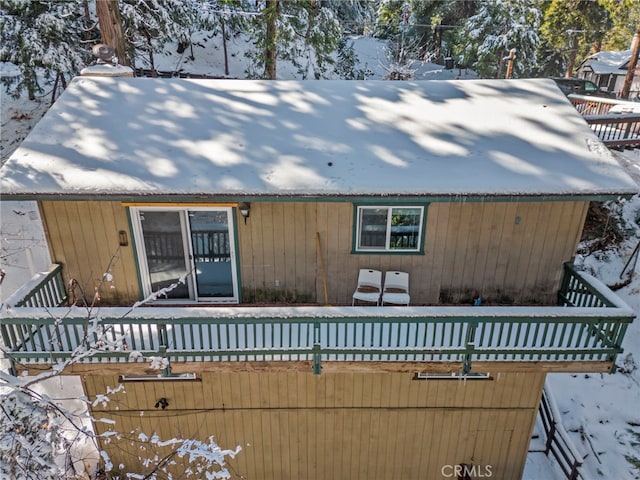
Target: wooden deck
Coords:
[(584, 333), (615, 130)]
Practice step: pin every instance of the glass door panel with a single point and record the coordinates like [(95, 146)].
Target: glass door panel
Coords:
[(212, 256), (164, 251)]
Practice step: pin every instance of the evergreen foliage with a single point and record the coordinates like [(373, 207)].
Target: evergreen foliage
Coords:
[(496, 28), (306, 34), (346, 64), (634, 460), (388, 18), (44, 37), (624, 17), (572, 28), (355, 16), (551, 37), (148, 26)]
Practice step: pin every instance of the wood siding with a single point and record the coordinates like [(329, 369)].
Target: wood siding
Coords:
[(505, 251), (83, 237), (334, 426)]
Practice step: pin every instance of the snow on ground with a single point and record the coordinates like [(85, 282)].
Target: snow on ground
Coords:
[(23, 247), (601, 412), (206, 58)]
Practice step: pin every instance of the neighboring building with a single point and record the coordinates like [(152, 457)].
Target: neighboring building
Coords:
[(608, 70), (267, 198)]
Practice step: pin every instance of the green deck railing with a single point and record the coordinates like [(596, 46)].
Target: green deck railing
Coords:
[(590, 327), (45, 289), (581, 290)]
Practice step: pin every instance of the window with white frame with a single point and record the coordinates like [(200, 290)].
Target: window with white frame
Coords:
[(389, 229)]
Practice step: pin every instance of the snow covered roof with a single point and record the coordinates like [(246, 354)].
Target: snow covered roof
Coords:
[(126, 137), (608, 62)]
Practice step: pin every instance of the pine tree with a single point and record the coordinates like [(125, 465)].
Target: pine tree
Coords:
[(150, 25), (225, 17), (302, 32), (496, 28), (551, 61), (574, 27), (624, 16), (355, 16), (434, 31), (423, 30), (389, 19), (44, 40), (347, 61)]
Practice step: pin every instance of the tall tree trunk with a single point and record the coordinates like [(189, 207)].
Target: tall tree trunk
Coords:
[(110, 22), (31, 86), (572, 62), (271, 13), (224, 48), (500, 63), (437, 37), (152, 64), (55, 88), (312, 19), (635, 51), (86, 34)]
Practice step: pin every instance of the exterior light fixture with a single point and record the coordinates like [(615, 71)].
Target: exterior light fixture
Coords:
[(123, 238), (245, 209), (162, 403)]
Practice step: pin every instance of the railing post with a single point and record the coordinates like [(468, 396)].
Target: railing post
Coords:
[(62, 297), (5, 335), (162, 338), (573, 475), (317, 367), (564, 286), (550, 436), (317, 348), (617, 342), (547, 419), (469, 345)]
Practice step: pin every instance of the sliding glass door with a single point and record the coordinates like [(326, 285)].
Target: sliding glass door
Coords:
[(187, 253), (164, 252), (211, 247)]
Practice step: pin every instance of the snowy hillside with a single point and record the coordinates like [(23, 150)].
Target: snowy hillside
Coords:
[(601, 411), (374, 59)]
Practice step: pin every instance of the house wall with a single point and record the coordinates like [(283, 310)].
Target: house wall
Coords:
[(611, 81), (335, 425), (83, 236), (507, 252), (288, 251)]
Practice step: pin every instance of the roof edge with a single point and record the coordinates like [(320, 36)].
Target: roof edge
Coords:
[(363, 198)]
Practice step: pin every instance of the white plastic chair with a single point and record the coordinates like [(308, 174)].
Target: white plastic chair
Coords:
[(396, 288), (369, 286)]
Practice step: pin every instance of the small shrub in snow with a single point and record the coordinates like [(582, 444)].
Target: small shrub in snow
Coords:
[(627, 364)]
